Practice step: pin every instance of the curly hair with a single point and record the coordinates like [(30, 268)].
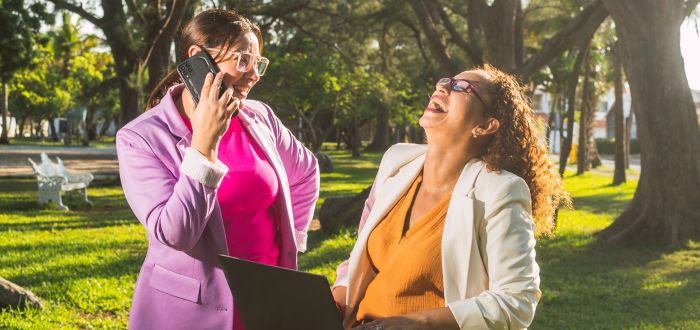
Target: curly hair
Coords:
[(518, 147)]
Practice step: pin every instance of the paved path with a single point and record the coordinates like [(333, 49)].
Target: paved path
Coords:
[(101, 162)]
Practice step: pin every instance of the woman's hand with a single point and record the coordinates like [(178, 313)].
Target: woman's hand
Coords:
[(339, 295), (403, 322), (212, 116), (439, 318)]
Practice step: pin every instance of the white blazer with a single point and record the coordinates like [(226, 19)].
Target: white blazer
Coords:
[(490, 276)]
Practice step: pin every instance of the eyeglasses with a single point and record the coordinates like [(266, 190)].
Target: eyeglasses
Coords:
[(246, 61), (461, 85)]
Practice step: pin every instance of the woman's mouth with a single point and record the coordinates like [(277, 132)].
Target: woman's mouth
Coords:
[(434, 106)]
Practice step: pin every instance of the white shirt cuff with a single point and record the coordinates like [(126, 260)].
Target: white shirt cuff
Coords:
[(199, 168)]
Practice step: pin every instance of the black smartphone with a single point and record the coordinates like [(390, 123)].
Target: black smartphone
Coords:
[(194, 70)]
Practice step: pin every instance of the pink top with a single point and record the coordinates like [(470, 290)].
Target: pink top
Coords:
[(247, 196)]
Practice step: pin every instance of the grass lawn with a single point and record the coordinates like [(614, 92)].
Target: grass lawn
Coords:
[(103, 142), (83, 263)]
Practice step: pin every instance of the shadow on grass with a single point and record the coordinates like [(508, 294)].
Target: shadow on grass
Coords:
[(126, 264), (588, 284), (613, 202)]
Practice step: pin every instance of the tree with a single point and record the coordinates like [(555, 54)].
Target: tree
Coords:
[(503, 34), (139, 38), (665, 206), (617, 108), (20, 23)]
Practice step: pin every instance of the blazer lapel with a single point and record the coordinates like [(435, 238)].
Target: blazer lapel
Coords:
[(458, 233), (390, 191)]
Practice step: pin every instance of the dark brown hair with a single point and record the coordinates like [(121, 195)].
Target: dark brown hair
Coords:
[(213, 28), (518, 147)]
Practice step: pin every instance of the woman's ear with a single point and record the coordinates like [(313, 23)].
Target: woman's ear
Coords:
[(490, 126), (193, 50)]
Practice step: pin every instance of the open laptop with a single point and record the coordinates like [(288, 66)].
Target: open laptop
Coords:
[(270, 297)]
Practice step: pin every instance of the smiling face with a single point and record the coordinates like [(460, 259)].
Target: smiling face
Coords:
[(457, 114), (242, 82)]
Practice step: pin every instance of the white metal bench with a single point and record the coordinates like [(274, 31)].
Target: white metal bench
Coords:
[(52, 178)]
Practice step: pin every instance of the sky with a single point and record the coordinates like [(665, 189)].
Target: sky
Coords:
[(690, 48)]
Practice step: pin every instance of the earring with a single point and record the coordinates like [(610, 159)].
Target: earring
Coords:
[(474, 135)]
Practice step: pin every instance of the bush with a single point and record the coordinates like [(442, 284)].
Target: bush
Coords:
[(607, 146)]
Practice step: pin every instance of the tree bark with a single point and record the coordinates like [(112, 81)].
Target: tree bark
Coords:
[(4, 137), (665, 207), (571, 102), (618, 110), (628, 135), (355, 139), (380, 141), (585, 119), (500, 34)]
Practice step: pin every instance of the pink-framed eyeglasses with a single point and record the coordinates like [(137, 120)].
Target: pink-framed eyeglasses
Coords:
[(246, 61)]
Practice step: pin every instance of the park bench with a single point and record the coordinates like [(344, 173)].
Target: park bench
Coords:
[(53, 178)]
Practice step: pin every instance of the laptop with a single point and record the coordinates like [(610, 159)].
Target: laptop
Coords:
[(270, 297)]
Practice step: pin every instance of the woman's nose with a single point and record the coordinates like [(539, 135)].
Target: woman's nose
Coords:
[(440, 88)]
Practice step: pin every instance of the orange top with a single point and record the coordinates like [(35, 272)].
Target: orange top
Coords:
[(408, 267)]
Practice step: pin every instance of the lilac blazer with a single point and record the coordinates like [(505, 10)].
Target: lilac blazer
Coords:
[(172, 189)]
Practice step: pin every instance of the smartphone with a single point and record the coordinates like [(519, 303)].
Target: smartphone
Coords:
[(194, 70)]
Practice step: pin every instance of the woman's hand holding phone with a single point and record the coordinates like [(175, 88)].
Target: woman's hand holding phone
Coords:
[(212, 116)]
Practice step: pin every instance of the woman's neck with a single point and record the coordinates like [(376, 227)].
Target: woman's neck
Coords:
[(444, 164)]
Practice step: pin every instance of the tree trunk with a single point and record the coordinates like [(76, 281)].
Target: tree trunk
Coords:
[(355, 139), (4, 138), (20, 131), (105, 126), (617, 108), (665, 207), (571, 102), (14, 296), (380, 142), (500, 34), (52, 129), (628, 135), (585, 120), (130, 101)]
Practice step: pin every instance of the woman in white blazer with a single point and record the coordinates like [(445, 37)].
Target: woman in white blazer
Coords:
[(486, 156)]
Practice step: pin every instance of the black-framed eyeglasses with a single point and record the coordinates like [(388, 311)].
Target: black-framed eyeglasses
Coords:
[(461, 85)]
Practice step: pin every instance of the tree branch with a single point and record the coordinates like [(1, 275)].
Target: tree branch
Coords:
[(78, 9), (474, 54), (321, 40), (169, 28), (437, 48), (579, 29), (131, 4), (416, 35)]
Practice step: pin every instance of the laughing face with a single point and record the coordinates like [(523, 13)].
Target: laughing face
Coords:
[(457, 111)]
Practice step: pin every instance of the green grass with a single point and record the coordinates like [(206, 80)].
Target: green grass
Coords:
[(103, 142), (84, 263)]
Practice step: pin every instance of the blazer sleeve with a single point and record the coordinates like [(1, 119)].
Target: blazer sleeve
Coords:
[(175, 210), (507, 245), (301, 167)]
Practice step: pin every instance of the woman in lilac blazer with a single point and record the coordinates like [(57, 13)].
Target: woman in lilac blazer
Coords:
[(177, 158)]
